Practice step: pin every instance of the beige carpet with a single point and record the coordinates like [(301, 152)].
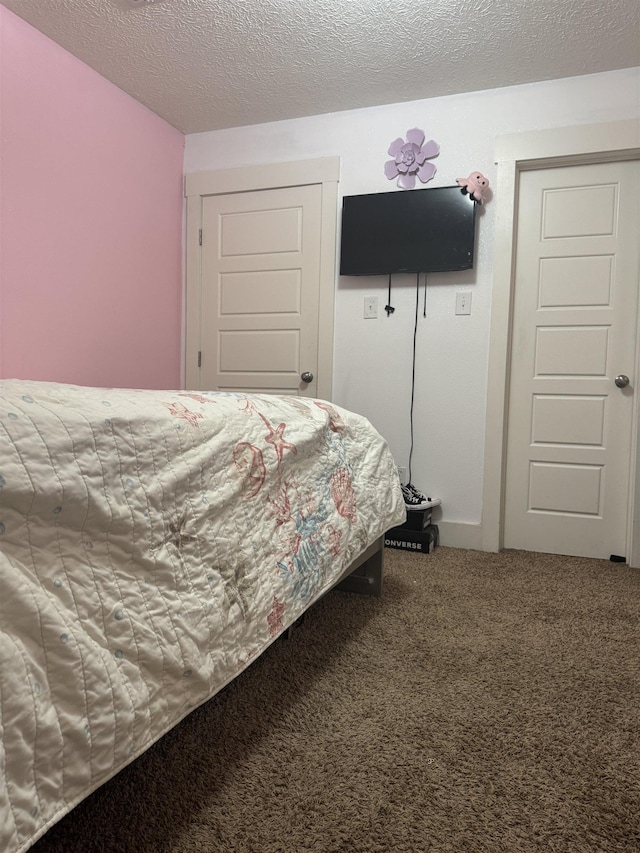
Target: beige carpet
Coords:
[(484, 703)]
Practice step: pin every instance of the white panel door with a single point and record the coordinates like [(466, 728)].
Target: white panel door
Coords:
[(260, 290), (574, 331)]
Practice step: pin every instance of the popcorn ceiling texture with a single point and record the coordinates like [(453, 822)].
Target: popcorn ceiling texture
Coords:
[(204, 65)]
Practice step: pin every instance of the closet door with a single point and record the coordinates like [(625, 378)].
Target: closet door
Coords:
[(571, 408)]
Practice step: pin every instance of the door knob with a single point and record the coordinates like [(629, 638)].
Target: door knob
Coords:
[(622, 381), (308, 377)]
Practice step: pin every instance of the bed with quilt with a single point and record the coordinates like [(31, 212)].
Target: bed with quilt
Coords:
[(152, 545)]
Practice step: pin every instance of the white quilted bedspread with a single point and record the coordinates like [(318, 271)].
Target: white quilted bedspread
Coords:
[(152, 544)]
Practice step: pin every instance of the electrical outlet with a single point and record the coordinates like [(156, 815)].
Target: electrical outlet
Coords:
[(463, 303), (370, 307), (402, 472)]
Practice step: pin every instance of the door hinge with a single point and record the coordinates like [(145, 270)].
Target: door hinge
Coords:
[(200, 236), (199, 358)]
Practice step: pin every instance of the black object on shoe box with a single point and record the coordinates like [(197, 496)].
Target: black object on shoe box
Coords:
[(404, 539), (417, 519)]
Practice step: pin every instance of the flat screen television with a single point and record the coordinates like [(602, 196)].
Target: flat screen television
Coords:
[(431, 230)]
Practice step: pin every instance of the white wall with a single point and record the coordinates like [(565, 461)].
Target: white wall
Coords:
[(372, 368)]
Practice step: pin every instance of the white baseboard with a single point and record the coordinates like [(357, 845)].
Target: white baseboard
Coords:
[(456, 534)]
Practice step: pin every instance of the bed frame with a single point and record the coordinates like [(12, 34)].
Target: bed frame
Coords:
[(364, 575)]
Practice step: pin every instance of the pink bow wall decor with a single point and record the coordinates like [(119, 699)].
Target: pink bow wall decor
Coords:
[(410, 159)]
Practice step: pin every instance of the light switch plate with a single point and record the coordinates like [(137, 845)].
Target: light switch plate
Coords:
[(463, 303)]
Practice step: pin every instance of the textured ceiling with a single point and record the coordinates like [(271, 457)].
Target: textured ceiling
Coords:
[(206, 64)]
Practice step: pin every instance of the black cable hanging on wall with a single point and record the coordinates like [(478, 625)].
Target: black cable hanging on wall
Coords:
[(389, 307), (413, 365)]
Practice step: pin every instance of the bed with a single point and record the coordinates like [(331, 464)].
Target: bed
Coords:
[(152, 545)]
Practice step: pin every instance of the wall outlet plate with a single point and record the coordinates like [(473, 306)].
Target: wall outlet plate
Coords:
[(370, 307)]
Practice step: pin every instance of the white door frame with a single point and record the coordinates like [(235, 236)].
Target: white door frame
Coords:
[(515, 153), (324, 171)]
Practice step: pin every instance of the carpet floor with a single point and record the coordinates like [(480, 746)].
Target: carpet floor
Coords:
[(486, 703)]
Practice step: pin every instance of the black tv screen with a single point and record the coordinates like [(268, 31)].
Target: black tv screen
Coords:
[(431, 230)]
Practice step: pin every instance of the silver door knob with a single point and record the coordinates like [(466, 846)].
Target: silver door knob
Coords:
[(306, 377), (622, 381)]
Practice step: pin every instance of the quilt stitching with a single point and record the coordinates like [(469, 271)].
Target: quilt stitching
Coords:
[(177, 535), (180, 437), (14, 812), (70, 585), (174, 563), (34, 565), (183, 570), (105, 609), (103, 652), (152, 449)]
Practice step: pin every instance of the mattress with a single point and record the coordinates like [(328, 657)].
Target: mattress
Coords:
[(152, 545)]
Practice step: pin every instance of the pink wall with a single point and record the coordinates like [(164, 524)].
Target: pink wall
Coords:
[(90, 223)]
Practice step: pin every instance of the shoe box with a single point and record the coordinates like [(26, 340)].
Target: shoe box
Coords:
[(416, 534), (419, 541), (417, 519)]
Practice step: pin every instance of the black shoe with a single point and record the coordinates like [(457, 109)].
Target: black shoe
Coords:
[(414, 499)]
